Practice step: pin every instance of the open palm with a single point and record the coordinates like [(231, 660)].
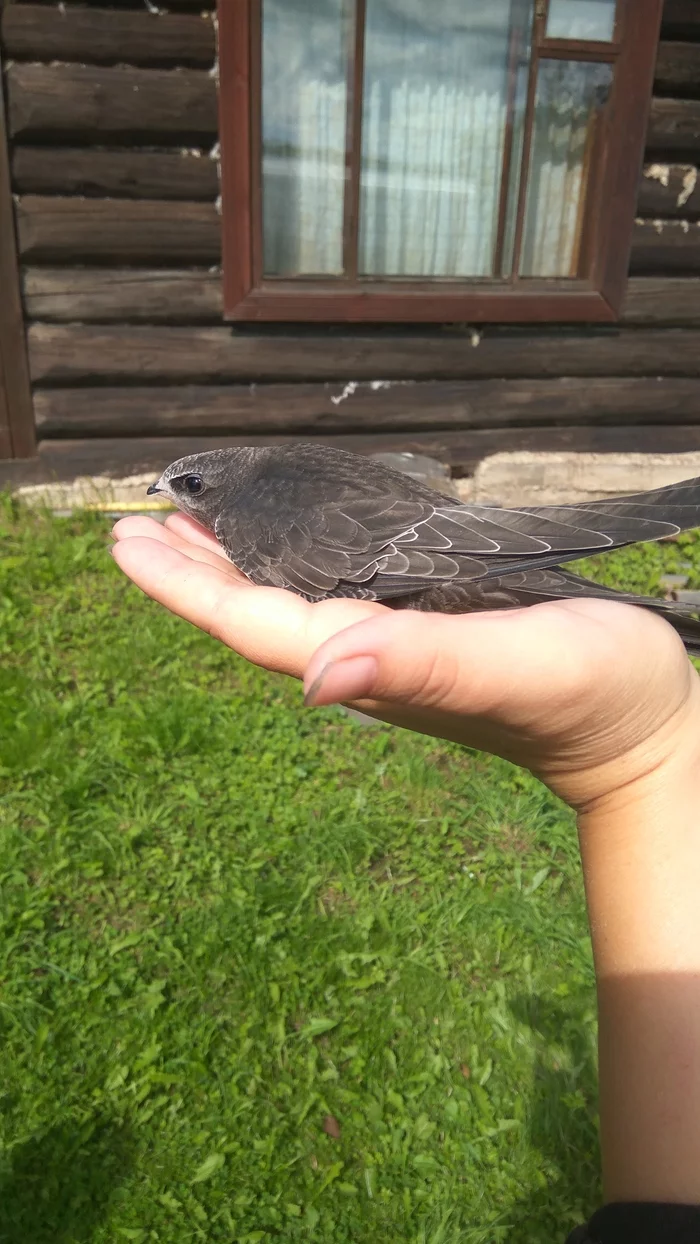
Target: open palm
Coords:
[(574, 690)]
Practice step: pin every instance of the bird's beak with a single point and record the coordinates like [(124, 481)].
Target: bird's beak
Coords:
[(153, 488)]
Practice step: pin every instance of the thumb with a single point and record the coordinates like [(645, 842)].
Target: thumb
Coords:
[(464, 664)]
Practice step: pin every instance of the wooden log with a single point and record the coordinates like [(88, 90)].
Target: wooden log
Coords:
[(64, 460), (361, 407), (193, 296), (5, 437), (674, 128), (668, 190), (101, 103), (662, 300), (118, 231), (63, 354), (16, 413), (666, 246), (681, 19), (106, 36), (104, 295), (9, 300), (677, 69), (184, 174)]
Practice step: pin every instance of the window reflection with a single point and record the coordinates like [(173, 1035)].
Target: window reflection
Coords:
[(581, 19), (304, 109), (570, 95), (443, 139)]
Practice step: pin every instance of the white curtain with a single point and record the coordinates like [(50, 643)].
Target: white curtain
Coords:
[(431, 180), (434, 117)]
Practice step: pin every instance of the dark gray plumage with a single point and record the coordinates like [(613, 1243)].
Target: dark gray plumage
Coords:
[(326, 523)]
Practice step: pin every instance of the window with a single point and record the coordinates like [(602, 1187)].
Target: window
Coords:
[(398, 160)]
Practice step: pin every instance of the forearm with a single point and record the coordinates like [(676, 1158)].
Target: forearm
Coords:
[(641, 857)]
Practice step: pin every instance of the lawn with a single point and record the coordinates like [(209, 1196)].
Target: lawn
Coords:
[(266, 975)]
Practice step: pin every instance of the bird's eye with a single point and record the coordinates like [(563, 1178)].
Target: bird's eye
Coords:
[(194, 484)]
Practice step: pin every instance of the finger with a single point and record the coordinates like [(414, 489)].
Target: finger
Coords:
[(185, 527), (268, 626), (128, 528), (136, 524), (204, 594)]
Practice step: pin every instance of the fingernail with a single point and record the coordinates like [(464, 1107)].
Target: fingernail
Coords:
[(314, 689), (340, 681)]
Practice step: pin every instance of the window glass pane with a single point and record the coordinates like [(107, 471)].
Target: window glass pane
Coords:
[(440, 92), (581, 19), (304, 114), (569, 97)]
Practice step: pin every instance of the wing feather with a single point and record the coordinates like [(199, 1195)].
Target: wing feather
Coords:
[(352, 540)]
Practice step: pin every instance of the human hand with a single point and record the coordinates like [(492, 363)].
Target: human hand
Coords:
[(589, 695)]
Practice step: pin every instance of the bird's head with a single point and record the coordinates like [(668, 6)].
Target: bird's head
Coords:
[(198, 485)]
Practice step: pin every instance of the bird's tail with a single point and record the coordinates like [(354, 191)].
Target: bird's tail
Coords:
[(642, 516), (678, 504)]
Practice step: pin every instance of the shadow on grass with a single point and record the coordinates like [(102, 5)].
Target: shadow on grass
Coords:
[(56, 1188), (562, 1123)]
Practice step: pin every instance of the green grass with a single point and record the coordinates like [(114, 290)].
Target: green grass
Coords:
[(225, 918)]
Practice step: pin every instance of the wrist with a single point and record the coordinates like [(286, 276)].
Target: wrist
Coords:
[(650, 770), (640, 846)]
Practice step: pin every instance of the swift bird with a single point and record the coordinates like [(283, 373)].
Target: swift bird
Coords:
[(326, 523)]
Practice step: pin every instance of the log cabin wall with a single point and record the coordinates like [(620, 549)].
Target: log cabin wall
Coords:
[(112, 121)]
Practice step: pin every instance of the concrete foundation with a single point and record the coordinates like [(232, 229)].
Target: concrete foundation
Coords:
[(561, 478)]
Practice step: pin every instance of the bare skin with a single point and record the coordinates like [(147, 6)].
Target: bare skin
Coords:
[(600, 701)]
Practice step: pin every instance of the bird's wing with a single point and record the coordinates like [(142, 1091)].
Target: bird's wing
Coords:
[(401, 546), (313, 551), (487, 542)]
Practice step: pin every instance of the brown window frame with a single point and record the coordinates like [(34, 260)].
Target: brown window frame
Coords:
[(248, 296)]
